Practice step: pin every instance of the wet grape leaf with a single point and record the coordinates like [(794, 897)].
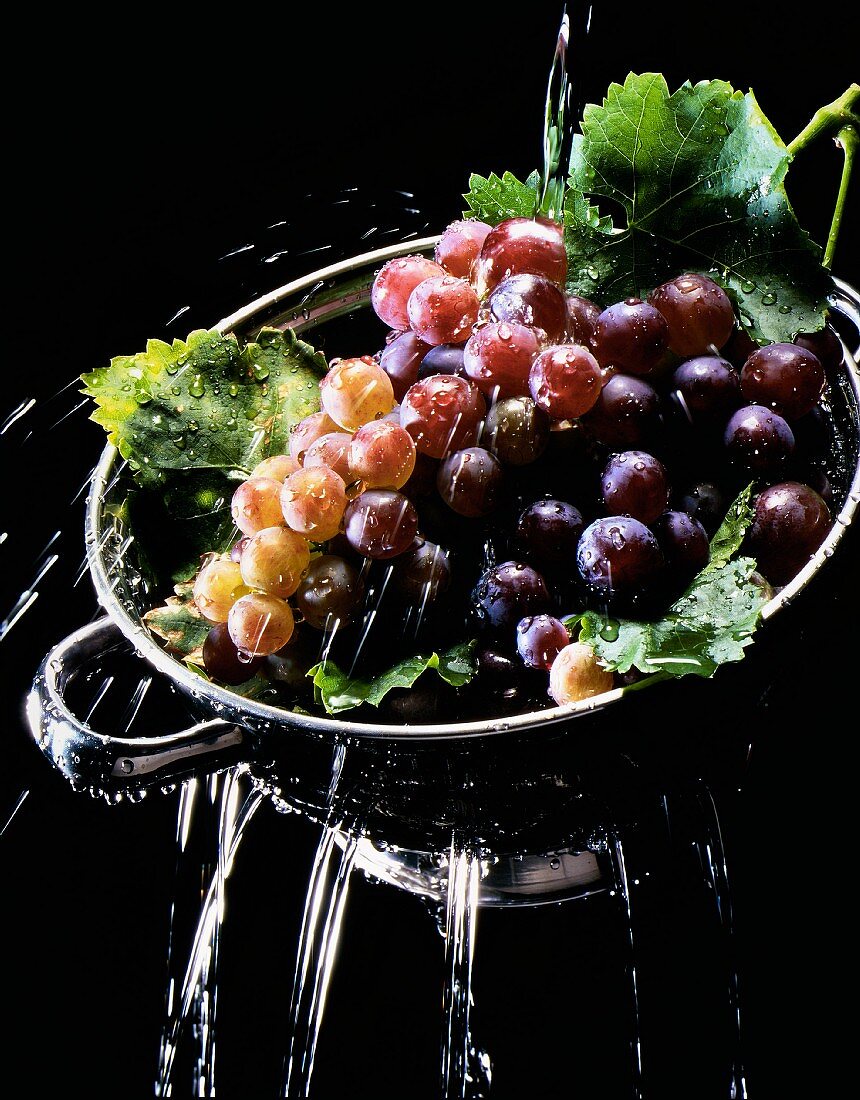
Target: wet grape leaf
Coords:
[(493, 198), (179, 624), (694, 180), (710, 625), (205, 403), (337, 691), (729, 536)]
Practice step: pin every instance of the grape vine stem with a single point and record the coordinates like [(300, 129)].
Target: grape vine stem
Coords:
[(841, 120)]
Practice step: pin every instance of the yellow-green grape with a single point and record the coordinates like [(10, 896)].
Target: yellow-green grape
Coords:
[(277, 467), (217, 587), (313, 501), (576, 674), (256, 504), (356, 391), (260, 624), (274, 561)]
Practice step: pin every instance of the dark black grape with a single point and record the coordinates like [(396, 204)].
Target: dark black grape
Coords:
[(516, 431), (685, 545), (825, 345), (704, 501), (540, 639), (507, 593), (617, 556), (330, 590), (221, 658), (758, 440), (631, 336), (783, 377), (706, 388), (791, 520), (469, 481), (627, 412), (547, 532), (635, 483), (443, 359), (423, 571)]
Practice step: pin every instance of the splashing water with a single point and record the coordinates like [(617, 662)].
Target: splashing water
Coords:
[(197, 998), (622, 885), (458, 1078), (325, 902)]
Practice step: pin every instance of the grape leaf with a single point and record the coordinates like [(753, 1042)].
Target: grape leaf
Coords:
[(337, 691), (494, 198), (205, 403), (729, 535), (710, 625), (179, 624), (692, 181)]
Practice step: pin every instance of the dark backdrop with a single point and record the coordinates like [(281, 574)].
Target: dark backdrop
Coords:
[(138, 160)]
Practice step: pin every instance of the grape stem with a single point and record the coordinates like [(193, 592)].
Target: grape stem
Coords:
[(841, 120)]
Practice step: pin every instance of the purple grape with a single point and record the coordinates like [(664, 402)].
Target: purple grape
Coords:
[(758, 440), (790, 523), (704, 501), (784, 377), (684, 542), (635, 483), (509, 592), (531, 300), (618, 555), (626, 413), (443, 359), (547, 532), (540, 639), (469, 481), (825, 345), (706, 387), (631, 336)]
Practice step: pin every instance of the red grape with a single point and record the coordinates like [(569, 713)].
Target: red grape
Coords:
[(460, 245), (498, 357), (393, 284), (699, 313), (533, 246), (443, 310), (565, 381), (786, 378), (443, 413)]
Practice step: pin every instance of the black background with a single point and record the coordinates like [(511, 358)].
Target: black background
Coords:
[(137, 160)]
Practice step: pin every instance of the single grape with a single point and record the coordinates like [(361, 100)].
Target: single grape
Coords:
[(509, 592), (393, 284), (260, 624), (443, 359), (707, 388), (274, 561), (531, 300), (469, 481), (540, 639), (825, 345), (460, 245), (443, 413), (423, 571), (442, 310), (382, 455), (355, 391), (547, 532), (222, 660), (401, 359), (706, 502), (626, 413), (635, 483), (618, 555), (498, 357), (698, 312), (313, 501), (631, 336), (277, 467), (332, 450), (684, 543), (308, 429), (565, 381), (533, 246), (758, 440), (791, 521), (516, 431), (256, 504), (576, 674), (217, 586), (582, 316), (784, 377), (380, 523), (329, 591)]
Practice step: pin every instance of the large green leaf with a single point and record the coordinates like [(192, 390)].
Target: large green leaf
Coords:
[(205, 403), (663, 183)]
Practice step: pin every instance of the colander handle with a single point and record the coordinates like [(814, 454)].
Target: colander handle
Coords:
[(104, 763)]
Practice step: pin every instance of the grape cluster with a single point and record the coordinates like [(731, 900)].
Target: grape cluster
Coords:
[(524, 452)]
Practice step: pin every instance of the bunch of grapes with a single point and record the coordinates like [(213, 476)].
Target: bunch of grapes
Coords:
[(527, 452)]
